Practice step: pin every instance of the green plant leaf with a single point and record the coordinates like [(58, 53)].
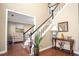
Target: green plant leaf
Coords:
[(40, 40), (37, 40)]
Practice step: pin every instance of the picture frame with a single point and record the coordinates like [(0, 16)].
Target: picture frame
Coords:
[(19, 30), (63, 26)]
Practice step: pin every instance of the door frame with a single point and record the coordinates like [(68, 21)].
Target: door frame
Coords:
[(6, 23)]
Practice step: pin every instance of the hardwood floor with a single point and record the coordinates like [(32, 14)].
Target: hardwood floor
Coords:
[(17, 50), (54, 52)]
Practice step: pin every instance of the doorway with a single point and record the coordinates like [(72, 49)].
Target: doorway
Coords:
[(16, 23)]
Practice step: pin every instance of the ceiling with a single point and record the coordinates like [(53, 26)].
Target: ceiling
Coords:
[(19, 18)]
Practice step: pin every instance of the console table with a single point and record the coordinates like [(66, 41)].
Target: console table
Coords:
[(66, 40)]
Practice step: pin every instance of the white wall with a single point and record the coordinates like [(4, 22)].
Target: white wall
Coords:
[(70, 14)]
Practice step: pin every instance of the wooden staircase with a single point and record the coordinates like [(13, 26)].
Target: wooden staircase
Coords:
[(43, 28)]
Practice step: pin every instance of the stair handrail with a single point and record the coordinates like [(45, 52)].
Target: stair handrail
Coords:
[(52, 15), (28, 29), (41, 25), (56, 5), (46, 19), (26, 32)]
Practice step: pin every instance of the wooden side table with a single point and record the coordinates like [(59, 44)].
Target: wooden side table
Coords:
[(69, 40)]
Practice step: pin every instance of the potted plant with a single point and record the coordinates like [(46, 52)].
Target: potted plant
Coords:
[(38, 39)]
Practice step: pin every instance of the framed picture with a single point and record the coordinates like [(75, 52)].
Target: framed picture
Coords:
[(19, 30), (63, 26)]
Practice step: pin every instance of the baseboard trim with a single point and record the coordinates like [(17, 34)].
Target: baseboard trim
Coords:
[(3, 52), (75, 52), (45, 48)]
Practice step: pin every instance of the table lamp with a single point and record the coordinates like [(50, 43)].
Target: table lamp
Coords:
[(54, 31)]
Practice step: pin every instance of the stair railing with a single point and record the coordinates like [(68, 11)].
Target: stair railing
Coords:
[(46, 23), (41, 29), (24, 33)]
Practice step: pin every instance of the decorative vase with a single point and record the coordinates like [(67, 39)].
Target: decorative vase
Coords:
[(36, 51), (62, 36)]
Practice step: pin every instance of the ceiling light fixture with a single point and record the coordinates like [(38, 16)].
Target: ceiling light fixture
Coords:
[(12, 15)]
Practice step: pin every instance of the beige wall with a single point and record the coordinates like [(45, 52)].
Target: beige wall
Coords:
[(70, 14), (47, 40), (26, 27), (2, 29), (39, 10)]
